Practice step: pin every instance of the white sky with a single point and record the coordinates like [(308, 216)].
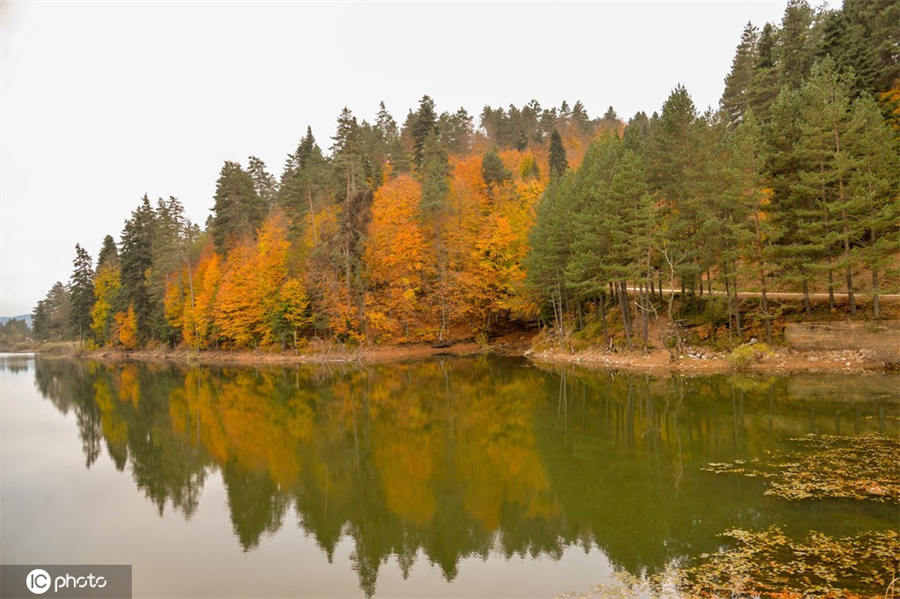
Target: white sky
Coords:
[(103, 102)]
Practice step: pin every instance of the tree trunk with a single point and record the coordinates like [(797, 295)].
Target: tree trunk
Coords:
[(602, 306), (765, 306), (876, 305), (626, 316), (806, 305), (728, 304), (737, 302), (312, 215), (644, 316), (830, 284)]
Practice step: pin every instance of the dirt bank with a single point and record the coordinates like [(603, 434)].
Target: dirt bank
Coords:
[(781, 360), (698, 360), (314, 354)]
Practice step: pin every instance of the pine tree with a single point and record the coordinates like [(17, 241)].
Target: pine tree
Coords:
[(108, 252), (493, 171), (825, 167), (305, 185), (394, 152), (558, 162), (81, 286), (50, 319), (735, 98), (434, 172), (873, 186), (795, 48), (674, 170), (347, 155), (423, 123), (764, 82), (136, 259), (265, 185), (455, 131), (238, 210)]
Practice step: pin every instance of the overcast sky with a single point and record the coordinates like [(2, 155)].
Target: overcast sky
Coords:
[(103, 102)]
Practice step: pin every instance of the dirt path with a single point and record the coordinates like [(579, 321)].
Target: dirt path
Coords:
[(787, 295)]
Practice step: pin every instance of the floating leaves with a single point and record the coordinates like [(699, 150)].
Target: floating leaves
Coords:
[(828, 467), (770, 564)]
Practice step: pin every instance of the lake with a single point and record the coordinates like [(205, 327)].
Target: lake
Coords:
[(449, 478)]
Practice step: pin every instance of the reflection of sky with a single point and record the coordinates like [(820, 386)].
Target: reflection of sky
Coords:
[(53, 510)]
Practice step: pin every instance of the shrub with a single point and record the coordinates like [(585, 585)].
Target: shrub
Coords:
[(749, 353)]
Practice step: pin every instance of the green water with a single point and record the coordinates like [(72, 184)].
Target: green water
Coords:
[(463, 477)]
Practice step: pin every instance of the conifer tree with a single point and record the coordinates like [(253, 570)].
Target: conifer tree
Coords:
[(424, 122), (558, 162), (873, 187), (136, 259), (81, 286), (347, 155), (108, 251), (264, 184), (305, 185), (434, 172), (493, 170), (238, 210), (735, 98)]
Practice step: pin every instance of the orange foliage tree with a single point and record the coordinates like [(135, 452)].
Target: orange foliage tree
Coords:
[(396, 257)]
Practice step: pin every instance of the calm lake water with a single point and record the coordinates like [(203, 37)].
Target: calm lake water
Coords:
[(455, 478)]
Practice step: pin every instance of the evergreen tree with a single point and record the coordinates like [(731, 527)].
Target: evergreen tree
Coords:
[(423, 123), (238, 210), (735, 98), (136, 260), (493, 170), (455, 131), (434, 172), (873, 44), (264, 184), (824, 169), (50, 319), (549, 241), (173, 239), (108, 252), (580, 118), (558, 162), (389, 134), (305, 184), (81, 289), (795, 50), (764, 82), (347, 155), (674, 170), (873, 186)]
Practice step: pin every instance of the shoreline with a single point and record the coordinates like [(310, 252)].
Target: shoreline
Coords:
[(656, 362), (700, 361)]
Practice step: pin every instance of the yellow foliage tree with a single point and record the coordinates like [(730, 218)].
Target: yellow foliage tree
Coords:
[(107, 284)]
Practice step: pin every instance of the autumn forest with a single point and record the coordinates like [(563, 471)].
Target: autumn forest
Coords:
[(450, 226)]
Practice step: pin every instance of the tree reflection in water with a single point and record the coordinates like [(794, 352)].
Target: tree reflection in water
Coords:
[(461, 458)]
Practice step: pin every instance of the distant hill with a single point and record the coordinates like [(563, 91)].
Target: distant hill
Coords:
[(25, 317)]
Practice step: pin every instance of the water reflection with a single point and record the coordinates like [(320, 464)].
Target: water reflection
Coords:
[(464, 458)]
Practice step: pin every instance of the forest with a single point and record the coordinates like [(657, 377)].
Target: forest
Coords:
[(436, 229)]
